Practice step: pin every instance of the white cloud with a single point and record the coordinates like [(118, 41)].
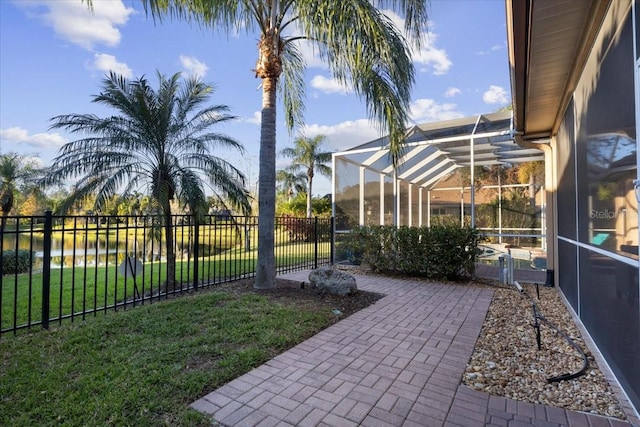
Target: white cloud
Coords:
[(17, 135), (428, 110), (495, 95), (346, 134), (451, 92), (351, 133), (494, 48), (192, 66), (327, 85), (106, 63), (256, 119), (429, 57), (432, 58), (73, 21)]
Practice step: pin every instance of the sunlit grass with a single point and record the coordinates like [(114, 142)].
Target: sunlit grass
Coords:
[(80, 288), (145, 366)]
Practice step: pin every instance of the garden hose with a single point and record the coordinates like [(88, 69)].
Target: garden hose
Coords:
[(539, 316)]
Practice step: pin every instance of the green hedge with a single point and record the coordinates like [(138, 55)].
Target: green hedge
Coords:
[(16, 263), (437, 252)]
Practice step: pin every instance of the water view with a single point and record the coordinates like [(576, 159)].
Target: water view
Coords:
[(79, 249)]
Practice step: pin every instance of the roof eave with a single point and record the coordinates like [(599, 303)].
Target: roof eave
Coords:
[(517, 41), (521, 18)]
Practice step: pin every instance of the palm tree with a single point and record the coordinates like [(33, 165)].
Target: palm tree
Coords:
[(159, 143), (531, 173), (361, 47), (290, 181), (307, 154), (16, 171)]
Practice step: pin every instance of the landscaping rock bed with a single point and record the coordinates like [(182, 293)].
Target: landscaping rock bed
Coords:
[(506, 360)]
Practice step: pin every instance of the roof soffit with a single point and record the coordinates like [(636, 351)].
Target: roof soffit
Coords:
[(548, 45)]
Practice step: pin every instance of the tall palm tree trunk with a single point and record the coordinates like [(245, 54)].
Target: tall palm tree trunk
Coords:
[(309, 188), (266, 268)]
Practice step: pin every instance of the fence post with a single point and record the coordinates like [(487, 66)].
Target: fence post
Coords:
[(46, 268), (332, 239), (196, 249), (315, 246), (247, 238)]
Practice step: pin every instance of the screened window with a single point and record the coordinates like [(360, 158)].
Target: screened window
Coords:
[(607, 148), (566, 175)]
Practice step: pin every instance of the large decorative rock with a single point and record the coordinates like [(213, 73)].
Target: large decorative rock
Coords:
[(332, 281)]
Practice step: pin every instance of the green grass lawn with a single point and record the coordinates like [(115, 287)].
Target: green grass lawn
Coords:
[(75, 289), (144, 367)]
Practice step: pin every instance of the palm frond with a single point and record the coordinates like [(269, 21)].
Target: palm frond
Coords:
[(380, 70), (226, 15), (160, 141), (292, 86), (415, 16)]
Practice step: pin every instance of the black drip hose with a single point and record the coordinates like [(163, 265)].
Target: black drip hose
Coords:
[(585, 362)]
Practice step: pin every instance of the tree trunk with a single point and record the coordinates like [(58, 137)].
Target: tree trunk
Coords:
[(309, 210), (532, 191), (266, 265), (6, 200), (171, 253)]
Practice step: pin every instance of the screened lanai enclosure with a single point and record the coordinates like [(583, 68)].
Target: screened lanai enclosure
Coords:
[(466, 171)]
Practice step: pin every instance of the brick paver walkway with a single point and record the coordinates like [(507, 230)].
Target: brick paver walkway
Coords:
[(398, 362)]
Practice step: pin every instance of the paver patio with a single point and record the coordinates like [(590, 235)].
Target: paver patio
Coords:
[(398, 362)]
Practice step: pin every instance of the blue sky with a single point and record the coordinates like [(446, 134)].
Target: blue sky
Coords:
[(54, 54)]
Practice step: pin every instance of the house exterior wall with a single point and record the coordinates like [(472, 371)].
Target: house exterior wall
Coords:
[(596, 158)]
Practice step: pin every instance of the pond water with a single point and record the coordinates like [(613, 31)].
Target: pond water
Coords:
[(80, 249)]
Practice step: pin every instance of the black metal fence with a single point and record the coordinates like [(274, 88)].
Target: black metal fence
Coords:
[(54, 268)]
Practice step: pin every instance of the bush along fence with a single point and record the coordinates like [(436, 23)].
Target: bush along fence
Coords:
[(439, 252), (68, 267)]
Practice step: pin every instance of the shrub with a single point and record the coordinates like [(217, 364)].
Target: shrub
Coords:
[(349, 247), (298, 229), (16, 262), (439, 252), (306, 229)]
